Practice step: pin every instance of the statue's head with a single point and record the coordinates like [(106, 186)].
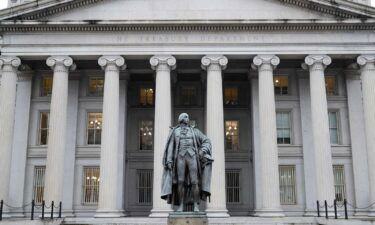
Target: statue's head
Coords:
[(183, 118)]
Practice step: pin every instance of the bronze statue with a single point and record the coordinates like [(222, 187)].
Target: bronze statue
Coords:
[(187, 166)]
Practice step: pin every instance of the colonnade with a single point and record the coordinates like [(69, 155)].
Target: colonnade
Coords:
[(163, 65)]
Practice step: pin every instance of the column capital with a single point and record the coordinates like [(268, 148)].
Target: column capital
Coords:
[(163, 62), (214, 62), (316, 62), (61, 63), (112, 62), (270, 61), (12, 61), (367, 61)]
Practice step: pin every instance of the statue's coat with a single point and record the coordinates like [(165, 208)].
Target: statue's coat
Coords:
[(170, 179)]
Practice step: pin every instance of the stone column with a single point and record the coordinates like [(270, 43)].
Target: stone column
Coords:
[(109, 154), (162, 64), (54, 178), (367, 63), (320, 127), (214, 64), (269, 165), (9, 65)]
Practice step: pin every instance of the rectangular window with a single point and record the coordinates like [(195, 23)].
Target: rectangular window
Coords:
[(38, 185), (283, 127), (94, 128), (233, 187), (146, 96), (46, 89), (330, 85), (43, 128), (188, 96), (91, 180), (287, 185), (232, 141), (96, 86), (339, 179), (333, 127), (231, 96), (281, 84), (144, 186), (146, 134)]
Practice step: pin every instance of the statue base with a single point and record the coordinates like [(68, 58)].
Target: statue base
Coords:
[(187, 218)]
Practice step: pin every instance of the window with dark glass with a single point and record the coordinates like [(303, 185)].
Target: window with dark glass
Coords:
[(94, 128), (232, 135), (281, 84), (144, 186), (233, 186), (43, 128), (146, 96), (330, 85), (188, 96), (231, 96), (146, 134), (283, 127), (46, 89), (96, 86)]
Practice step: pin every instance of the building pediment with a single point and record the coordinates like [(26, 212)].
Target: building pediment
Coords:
[(171, 10)]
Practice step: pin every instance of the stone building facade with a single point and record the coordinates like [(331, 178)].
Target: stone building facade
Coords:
[(284, 89)]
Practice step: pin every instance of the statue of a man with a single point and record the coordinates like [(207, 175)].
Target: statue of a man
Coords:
[(187, 166)]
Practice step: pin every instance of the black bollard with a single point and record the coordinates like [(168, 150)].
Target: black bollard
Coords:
[(60, 207), (335, 207), (326, 208), (346, 209), (1, 209), (43, 205), (318, 208), (32, 209), (52, 206)]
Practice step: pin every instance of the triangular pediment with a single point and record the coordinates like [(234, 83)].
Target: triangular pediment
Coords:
[(186, 10)]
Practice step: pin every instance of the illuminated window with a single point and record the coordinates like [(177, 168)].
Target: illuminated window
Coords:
[(38, 185), (333, 127), (146, 96), (91, 180), (46, 89), (232, 135), (233, 187), (281, 84), (287, 175), (96, 86), (339, 180), (330, 85), (146, 134), (283, 127), (144, 186), (188, 96), (94, 128), (43, 128), (231, 96)]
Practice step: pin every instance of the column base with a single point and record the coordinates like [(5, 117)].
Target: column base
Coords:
[(160, 213), (270, 213), (103, 213), (311, 213), (371, 213), (217, 213)]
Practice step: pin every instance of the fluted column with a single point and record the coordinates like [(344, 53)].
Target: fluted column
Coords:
[(265, 65), (108, 206), (162, 64), (367, 63), (54, 177), (9, 65), (214, 64), (320, 127)]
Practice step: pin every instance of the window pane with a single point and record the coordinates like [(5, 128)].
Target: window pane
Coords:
[(91, 180), (281, 84), (233, 187), (333, 127), (38, 185), (96, 86), (46, 89), (287, 185), (94, 128), (43, 128), (188, 96), (146, 96), (339, 179), (330, 85), (231, 96), (146, 134), (232, 135), (283, 127), (144, 186)]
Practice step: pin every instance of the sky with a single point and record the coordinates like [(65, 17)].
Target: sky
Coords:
[(3, 3)]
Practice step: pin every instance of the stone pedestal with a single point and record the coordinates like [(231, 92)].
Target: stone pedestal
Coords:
[(187, 218)]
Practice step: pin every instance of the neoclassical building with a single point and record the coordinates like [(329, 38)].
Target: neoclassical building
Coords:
[(285, 90)]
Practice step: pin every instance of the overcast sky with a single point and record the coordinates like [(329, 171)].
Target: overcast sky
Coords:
[(3, 3)]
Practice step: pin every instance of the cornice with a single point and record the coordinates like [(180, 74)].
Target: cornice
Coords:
[(168, 26)]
